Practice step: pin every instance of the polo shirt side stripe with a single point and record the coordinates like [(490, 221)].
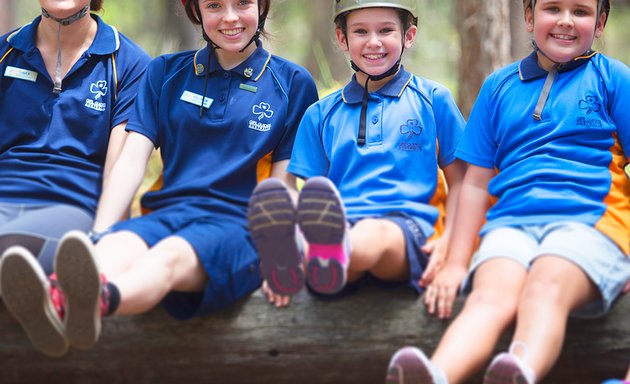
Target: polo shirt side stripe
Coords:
[(614, 222)]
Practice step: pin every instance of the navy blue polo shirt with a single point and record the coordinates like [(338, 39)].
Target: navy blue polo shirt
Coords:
[(248, 121), (413, 127), (567, 166), (53, 146)]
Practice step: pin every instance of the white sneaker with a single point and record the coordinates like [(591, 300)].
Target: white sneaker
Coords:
[(410, 366)]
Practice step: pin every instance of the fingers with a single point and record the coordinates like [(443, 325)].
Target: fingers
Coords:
[(279, 301), (430, 297), (626, 289), (446, 298), (429, 273)]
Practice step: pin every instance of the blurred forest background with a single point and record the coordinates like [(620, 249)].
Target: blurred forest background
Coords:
[(459, 43)]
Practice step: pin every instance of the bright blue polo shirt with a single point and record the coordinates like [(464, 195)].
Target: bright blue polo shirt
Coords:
[(53, 147), (568, 166), (248, 121), (413, 127)]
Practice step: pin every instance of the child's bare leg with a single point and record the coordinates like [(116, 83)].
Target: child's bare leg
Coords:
[(554, 287), (117, 252), (491, 307), (378, 246), (171, 264)]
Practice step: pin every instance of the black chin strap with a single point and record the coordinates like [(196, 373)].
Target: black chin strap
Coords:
[(67, 21), (366, 94), (551, 76)]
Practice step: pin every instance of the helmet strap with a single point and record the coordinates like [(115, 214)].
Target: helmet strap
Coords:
[(65, 21)]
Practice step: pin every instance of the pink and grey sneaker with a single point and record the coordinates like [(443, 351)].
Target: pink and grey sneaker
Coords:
[(26, 294), (507, 368), (271, 218), (322, 220), (85, 298), (410, 366)]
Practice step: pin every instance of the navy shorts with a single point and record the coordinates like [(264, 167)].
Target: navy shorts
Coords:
[(416, 257), (222, 244)]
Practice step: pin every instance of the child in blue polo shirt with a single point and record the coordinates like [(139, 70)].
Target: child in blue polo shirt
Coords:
[(67, 83), (223, 117), (372, 155), (547, 140)]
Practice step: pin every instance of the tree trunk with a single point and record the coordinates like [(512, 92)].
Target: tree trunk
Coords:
[(7, 15), (484, 29), (521, 40)]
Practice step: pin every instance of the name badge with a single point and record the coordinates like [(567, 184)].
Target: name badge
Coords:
[(195, 99), (19, 73)]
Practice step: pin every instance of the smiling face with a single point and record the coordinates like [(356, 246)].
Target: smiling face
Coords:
[(230, 24), (564, 29), (375, 39)]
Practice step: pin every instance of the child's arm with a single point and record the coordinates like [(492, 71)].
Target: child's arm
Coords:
[(122, 183), (454, 174), (472, 206)]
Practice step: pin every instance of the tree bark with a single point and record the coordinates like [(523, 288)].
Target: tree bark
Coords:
[(7, 15), (484, 29)]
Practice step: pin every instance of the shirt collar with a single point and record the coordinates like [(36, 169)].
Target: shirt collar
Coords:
[(252, 68), (353, 92), (529, 69), (105, 42)]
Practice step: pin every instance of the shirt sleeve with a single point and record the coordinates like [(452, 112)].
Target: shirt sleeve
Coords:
[(129, 65), (619, 90), (303, 93), (450, 125), (144, 117), (309, 156), (478, 145)]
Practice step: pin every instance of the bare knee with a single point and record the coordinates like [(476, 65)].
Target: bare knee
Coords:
[(377, 246), (495, 305)]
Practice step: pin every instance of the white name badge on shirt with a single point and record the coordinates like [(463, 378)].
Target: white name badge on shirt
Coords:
[(19, 73), (195, 99)]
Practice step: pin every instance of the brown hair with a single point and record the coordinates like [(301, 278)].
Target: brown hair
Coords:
[(263, 11), (96, 5)]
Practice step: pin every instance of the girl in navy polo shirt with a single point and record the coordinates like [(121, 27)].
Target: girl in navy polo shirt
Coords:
[(67, 84), (223, 118)]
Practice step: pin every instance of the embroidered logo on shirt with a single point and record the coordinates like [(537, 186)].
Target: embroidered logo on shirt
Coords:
[(589, 105), (99, 89), (409, 130), (262, 110)]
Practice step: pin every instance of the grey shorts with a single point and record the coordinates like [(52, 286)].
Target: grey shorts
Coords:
[(598, 256), (38, 228)]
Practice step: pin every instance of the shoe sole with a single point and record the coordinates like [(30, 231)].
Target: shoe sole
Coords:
[(322, 220), (409, 366), (271, 217), (79, 278), (504, 371), (25, 293)]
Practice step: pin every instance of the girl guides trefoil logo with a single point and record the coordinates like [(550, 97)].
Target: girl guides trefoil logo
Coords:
[(99, 90), (262, 110)]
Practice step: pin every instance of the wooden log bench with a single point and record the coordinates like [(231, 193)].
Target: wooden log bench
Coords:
[(312, 341)]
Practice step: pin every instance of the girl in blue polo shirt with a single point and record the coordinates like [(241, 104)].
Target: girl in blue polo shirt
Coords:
[(67, 83), (547, 142), (372, 154), (223, 118)]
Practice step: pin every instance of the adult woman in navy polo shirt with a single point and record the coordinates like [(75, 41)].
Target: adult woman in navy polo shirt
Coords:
[(67, 82), (223, 118)]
